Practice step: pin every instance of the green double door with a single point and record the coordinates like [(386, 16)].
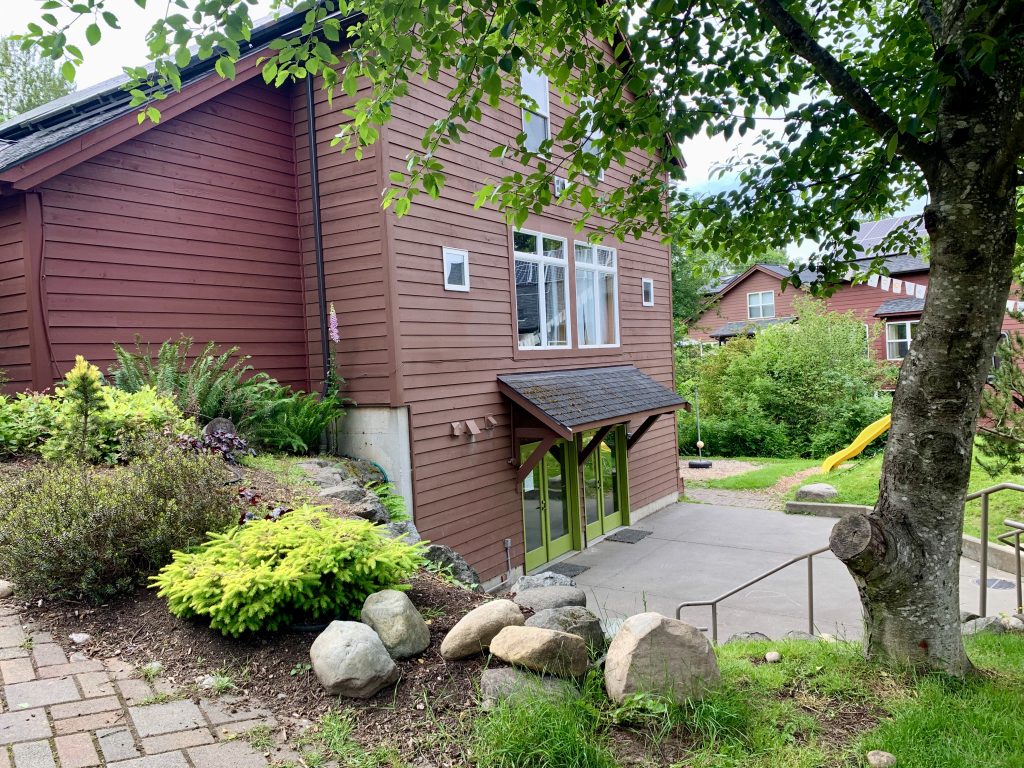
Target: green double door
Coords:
[(556, 491)]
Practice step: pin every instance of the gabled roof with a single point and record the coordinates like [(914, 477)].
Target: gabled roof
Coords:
[(52, 125), (900, 307), (572, 401), (725, 282), (748, 327)]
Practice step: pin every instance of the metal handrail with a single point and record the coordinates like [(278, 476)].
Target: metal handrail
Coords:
[(983, 494), (1016, 532), (808, 556)]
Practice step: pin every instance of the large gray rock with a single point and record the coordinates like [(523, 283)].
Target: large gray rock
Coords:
[(990, 625), (349, 659), (448, 559), (966, 616), (508, 683), (6, 588), (816, 492), (655, 654), (574, 619), (220, 424), (404, 530), (879, 759), (337, 470), (1012, 624), (542, 650), (799, 634), (543, 598), (348, 492), (474, 631), (538, 580), (396, 621), (370, 508), (743, 636)]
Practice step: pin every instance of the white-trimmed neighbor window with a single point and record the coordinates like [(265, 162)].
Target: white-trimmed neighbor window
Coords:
[(593, 134), (760, 304), (456, 269), (536, 117), (898, 336), (647, 291), (542, 290), (597, 304)]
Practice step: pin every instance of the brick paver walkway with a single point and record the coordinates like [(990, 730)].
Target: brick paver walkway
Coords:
[(78, 712)]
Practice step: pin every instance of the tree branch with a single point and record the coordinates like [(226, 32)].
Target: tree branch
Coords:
[(932, 21), (844, 84)]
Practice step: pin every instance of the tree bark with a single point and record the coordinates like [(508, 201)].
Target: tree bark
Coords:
[(904, 555)]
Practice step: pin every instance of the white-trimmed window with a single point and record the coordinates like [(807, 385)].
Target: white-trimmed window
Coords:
[(760, 304), (593, 134), (647, 291), (898, 336), (456, 269), (542, 290), (597, 296), (536, 116)]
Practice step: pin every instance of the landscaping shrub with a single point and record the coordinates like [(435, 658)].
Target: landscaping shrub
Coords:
[(84, 419), (73, 531), (802, 389), (293, 422), (393, 502), (307, 566)]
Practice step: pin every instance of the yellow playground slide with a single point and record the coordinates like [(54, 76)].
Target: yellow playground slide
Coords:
[(868, 434)]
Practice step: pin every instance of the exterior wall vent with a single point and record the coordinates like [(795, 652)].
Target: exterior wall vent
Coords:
[(561, 184)]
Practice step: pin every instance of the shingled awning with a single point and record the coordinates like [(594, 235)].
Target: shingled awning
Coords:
[(748, 327), (574, 401), (911, 306)]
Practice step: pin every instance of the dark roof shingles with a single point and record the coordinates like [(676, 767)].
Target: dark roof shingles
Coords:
[(899, 307), (749, 327), (578, 397)]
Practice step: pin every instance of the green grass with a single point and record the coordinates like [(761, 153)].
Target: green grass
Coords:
[(284, 468), (822, 705), (859, 485), (766, 476), (332, 742)]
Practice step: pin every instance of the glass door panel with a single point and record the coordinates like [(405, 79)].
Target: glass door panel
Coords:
[(533, 512), (556, 477), (547, 505), (602, 491)]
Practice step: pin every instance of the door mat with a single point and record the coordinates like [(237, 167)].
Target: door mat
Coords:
[(568, 569), (628, 535)]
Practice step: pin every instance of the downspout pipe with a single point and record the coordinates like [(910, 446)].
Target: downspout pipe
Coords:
[(318, 233)]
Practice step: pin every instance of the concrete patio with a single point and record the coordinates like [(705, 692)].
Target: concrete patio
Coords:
[(699, 551)]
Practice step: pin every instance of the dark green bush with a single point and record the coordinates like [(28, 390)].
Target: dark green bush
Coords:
[(306, 566), (73, 531), (801, 389), (293, 422)]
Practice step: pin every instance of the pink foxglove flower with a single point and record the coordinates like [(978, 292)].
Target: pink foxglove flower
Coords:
[(332, 326)]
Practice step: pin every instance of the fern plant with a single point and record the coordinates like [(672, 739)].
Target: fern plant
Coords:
[(292, 422), (214, 383)]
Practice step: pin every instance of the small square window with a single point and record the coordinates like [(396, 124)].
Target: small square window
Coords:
[(647, 284), (456, 269)]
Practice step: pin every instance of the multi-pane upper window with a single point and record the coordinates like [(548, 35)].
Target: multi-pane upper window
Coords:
[(597, 315), (536, 116), (760, 304), (542, 291), (898, 336)]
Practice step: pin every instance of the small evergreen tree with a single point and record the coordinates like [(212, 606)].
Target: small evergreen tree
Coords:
[(1000, 446), (83, 392)]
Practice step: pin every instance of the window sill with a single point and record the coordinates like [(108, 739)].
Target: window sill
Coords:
[(567, 354)]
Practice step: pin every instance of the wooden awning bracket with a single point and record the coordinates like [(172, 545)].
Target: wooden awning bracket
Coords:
[(524, 469), (634, 437), (595, 441)]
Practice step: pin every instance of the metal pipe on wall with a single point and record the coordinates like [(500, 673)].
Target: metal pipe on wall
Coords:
[(318, 235)]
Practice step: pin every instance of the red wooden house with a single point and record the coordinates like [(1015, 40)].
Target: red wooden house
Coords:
[(515, 384), (741, 304)]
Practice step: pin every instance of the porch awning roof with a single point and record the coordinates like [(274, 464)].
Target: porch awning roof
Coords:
[(574, 401)]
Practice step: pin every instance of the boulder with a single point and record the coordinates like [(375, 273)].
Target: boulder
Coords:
[(474, 631), (879, 759), (655, 654), (508, 683), (404, 530), (966, 616), (220, 424), (328, 472), (6, 588), (349, 659), (543, 598), (739, 637), (448, 559), (396, 621), (542, 650), (348, 492), (1012, 624), (538, 580), (816, 492), (370, 508), (991, 625), (799, 634), (574, 619)]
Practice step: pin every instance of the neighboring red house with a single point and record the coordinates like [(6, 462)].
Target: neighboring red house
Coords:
[(741, 304), (516, 385)]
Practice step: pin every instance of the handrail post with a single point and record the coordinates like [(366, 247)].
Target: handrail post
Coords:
[(714, 623), (810, 595), (983, 597), (1016, 564)]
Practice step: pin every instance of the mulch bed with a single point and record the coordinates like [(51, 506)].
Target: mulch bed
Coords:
[(271, 670)]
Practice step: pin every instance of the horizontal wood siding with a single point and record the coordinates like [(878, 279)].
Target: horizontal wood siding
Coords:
[(189, 229), (454, 344), (15, 357), (732, 305), (353, 234)]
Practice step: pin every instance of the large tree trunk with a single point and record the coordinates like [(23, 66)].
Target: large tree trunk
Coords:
[(905, 555)]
